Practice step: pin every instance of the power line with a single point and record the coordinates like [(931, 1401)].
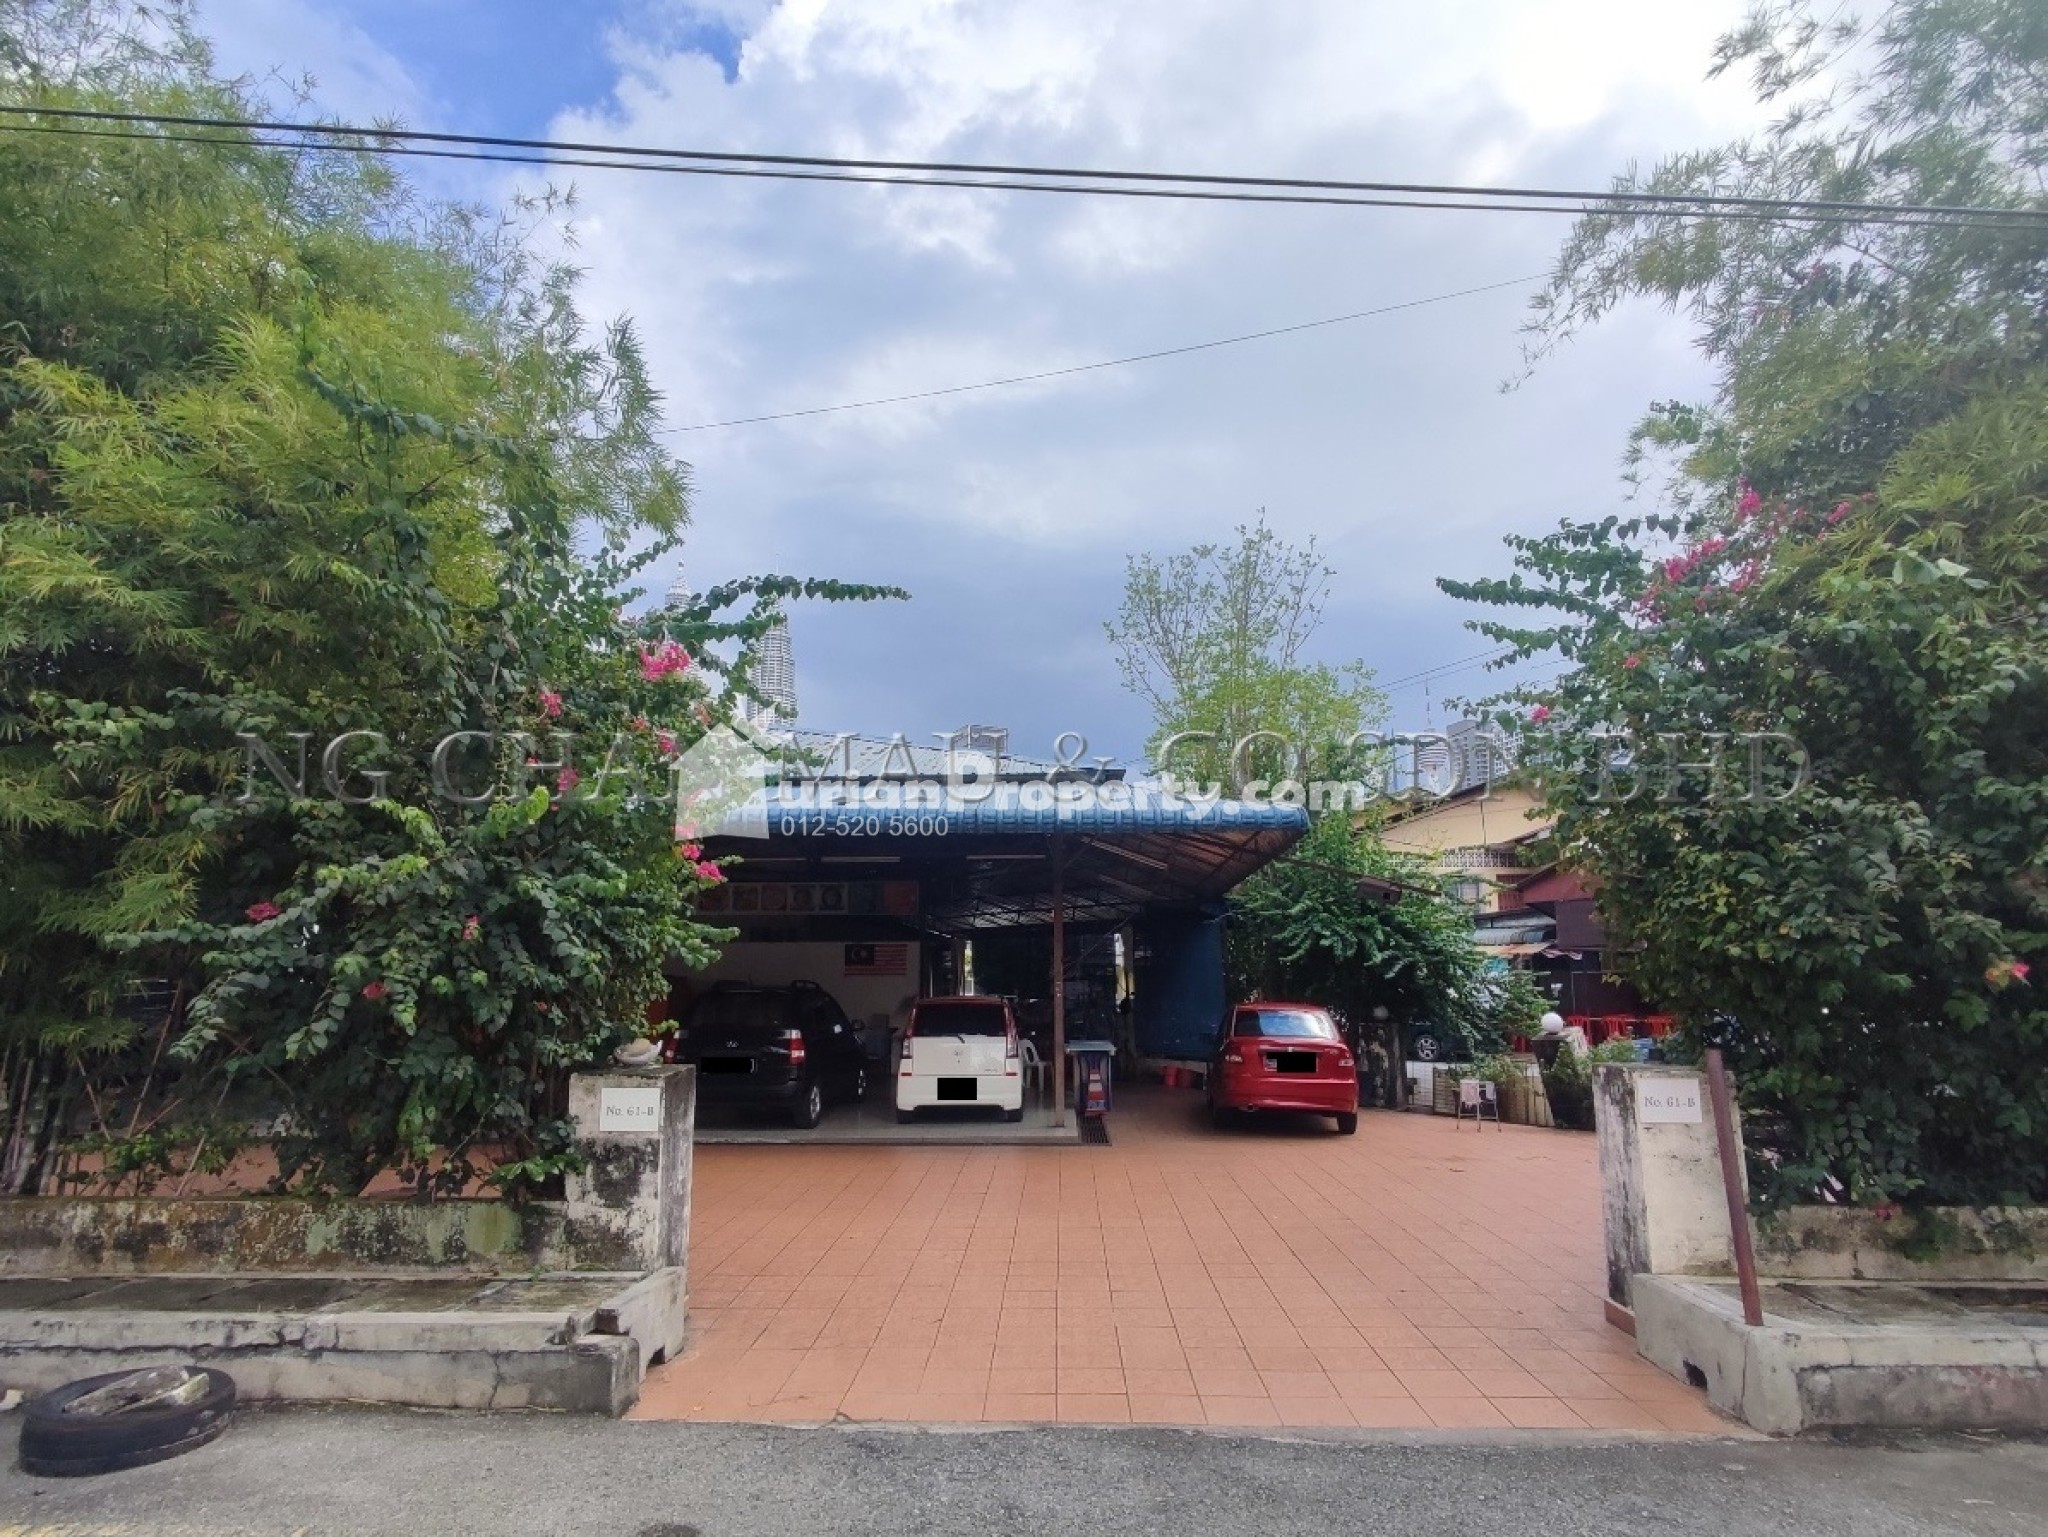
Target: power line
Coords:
[(1082, 368), (1612, 204), (1445, 667), (1166, 184)]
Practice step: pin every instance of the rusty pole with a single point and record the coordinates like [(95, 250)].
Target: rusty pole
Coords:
[(1731, 1184), (1059, 986)]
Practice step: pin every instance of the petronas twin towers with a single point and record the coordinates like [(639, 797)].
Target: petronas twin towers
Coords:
[(774, 673)]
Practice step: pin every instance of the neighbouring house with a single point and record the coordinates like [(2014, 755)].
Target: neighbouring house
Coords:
[(1487, 832)]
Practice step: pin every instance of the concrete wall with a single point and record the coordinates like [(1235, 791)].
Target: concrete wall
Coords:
[(573, 1342), (628, 1212), (70, 1235), (1937, 1244), (1801, 1374)]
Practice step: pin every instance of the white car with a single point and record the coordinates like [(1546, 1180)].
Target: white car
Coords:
[(958, 1052)]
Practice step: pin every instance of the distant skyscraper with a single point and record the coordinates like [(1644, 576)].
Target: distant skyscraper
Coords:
[(679, 593), (775, 675)]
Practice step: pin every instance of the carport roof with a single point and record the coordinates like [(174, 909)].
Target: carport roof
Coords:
[(987, 857)]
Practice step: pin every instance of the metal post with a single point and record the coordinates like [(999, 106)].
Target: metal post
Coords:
[(1059, 985), (1731, 1183)]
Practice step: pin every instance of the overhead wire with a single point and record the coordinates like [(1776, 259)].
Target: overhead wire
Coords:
[(1114, 179), (1082, 368), (1183, 187)]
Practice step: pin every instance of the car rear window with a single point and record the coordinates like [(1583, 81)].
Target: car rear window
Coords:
[(958, 1019), (1285, 1024), (735, 1011)]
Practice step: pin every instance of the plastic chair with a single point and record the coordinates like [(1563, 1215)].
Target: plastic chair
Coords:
[(1478, 1096), (1037, 1071)]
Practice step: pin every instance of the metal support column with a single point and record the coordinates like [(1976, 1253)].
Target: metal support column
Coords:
[(1059, 984)]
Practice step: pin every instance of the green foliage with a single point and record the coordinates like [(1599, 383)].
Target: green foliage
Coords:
[(1498, 1068), (282, 451), (1212, 639), (1568, 1081), (1852, 553)]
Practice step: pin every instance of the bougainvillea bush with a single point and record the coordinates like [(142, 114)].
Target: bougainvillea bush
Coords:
[(288, 455), (1848, 546)]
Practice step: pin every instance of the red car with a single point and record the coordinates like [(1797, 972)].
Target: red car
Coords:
[(1283, 1056)]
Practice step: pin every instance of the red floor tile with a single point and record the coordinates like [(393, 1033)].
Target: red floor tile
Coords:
[(1402, 1277)]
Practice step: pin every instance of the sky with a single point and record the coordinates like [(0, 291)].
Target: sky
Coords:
[(1009, 513)]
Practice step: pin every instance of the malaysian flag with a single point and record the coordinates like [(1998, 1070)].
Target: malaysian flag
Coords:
[(877, 960)]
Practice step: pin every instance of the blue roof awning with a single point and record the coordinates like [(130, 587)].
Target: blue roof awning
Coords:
[(1120, 846)]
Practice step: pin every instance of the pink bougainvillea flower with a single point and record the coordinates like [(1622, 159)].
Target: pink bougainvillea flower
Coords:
[(1750, 503), (1631, 661), (1540, 714), (690, 851), (2021, 971), (1841, 511), (551, 704), (640, 724), (263, 912), (666, 660), (706, 870), (375, 990), (472, 926), (567, 780), (2004, 973), (666, 741)]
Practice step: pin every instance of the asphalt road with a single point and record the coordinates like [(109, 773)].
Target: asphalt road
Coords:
[(369, 1473)]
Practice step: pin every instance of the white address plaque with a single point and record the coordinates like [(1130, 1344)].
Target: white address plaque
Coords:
[(631, 1110), (1668, 1101)]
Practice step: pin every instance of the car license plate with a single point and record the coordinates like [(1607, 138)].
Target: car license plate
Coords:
[(957, 1088), (1295, 1061), (725, 1065)]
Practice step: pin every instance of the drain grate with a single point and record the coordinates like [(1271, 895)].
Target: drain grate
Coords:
[(1095, 1129)]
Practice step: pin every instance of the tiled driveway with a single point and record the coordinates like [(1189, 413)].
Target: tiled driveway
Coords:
[(1419, 1274)]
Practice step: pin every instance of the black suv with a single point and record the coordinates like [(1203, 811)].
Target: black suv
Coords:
[(776, 1048)]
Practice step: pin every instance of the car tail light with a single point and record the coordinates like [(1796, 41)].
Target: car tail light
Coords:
[(1234, 1057), (794, 1039), (903, 1066), (1010, 1055)]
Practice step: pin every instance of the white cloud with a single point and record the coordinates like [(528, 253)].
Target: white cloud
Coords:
[(281, 41), (1008, 511)]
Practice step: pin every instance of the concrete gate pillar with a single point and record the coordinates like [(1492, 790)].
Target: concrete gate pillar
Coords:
[(1665, 1209)]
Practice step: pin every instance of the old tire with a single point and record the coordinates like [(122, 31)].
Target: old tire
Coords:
[(904, 1117), (1014, 1116), (57, 1445), (1220, 1118), (1347, 1124)]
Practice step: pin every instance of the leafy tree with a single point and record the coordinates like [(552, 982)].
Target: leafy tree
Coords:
[(1212, 639), (284, 451), (1849, 550), (1299, 929)]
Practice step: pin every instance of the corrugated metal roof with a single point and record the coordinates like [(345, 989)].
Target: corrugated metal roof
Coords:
[(988, 859)]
